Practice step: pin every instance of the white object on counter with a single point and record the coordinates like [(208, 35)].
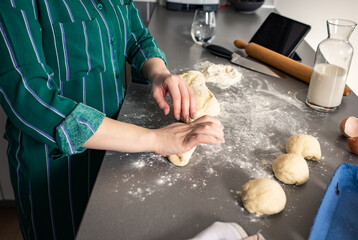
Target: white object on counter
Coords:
[(332, 62), (327, 85), (226, 231)]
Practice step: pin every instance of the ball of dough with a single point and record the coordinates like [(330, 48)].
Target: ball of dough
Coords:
[(263, 196), (305, 146), (291, 169)]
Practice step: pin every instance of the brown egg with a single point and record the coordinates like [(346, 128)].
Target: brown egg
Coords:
[(353, 145), (349, 127)]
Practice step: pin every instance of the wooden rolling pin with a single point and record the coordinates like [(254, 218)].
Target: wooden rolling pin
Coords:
[(281, 62)]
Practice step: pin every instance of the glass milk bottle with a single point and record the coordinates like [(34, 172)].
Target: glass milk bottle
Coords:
[(332, 61)]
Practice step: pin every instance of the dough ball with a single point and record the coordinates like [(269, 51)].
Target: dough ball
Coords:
[(305, 146), (263, 196), (291, 169)]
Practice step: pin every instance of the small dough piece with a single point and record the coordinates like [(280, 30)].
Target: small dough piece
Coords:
[(263, 196), (182, 159), (305, 146), (206, 104), (291, 169)]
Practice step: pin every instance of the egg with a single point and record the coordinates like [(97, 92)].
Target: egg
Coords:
[(353, 145), (349, 127)]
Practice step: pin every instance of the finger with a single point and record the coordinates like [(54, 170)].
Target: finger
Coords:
[(185, 101), (176, 99), (210, 129), (158, 96), (197, 139), (192, 103), (207, 118)]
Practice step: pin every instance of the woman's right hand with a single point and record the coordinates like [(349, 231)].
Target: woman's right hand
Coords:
[(173, 139), (178, 138)]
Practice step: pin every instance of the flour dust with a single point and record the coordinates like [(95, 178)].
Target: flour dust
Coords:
[(257, 117)]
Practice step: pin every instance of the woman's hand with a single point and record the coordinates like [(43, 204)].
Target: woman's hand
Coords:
[(181, 94), (163, 82), (173, 139), (178, 138)]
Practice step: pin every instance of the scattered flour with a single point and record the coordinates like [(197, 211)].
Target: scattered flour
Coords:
[(223, 75), (257, 117)]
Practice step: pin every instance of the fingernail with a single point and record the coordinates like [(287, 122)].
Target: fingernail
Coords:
[(177, 117), (193, 115)]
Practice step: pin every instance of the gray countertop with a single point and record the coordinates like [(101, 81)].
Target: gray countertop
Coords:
[(143, 196)]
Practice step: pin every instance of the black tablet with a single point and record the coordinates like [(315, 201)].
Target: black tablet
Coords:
[(281, 34)]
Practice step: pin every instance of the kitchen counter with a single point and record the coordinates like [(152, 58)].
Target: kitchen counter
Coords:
[(143, 196)]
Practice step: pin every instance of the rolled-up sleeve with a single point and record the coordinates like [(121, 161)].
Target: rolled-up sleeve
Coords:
[(31, 100), (77, 127)]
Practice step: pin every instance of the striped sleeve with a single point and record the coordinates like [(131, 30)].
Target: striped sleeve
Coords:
[(78, 126), (31, 100), (141, 45)]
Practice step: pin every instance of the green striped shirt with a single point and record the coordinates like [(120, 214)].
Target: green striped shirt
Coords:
[(61, 72)]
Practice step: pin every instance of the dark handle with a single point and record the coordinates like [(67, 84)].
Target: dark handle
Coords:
[(218, 50)]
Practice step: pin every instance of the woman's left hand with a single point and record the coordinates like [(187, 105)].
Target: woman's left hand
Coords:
[(181, 94), (163, 82)]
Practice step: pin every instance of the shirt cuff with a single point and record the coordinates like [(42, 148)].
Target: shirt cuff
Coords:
[(76, 129), (140, 59)]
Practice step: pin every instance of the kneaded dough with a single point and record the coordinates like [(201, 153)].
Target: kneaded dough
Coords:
[(291, 169), (206, 104), (305, 146), (263, 196), (182, 159)]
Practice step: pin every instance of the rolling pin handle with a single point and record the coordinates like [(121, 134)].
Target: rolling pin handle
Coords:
[(240, 44), (279, 61)]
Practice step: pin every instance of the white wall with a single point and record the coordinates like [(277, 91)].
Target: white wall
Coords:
[(315, 13)]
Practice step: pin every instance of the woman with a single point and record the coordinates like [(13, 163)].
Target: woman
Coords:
[(62, 86)]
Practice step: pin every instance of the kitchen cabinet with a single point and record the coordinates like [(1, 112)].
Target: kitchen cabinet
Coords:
[(143, 196)]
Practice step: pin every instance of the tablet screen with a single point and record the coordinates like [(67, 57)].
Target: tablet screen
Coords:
[(281, 34)]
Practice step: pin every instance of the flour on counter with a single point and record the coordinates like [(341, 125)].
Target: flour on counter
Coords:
[(223, 75), (258, 117), (161, 181)]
